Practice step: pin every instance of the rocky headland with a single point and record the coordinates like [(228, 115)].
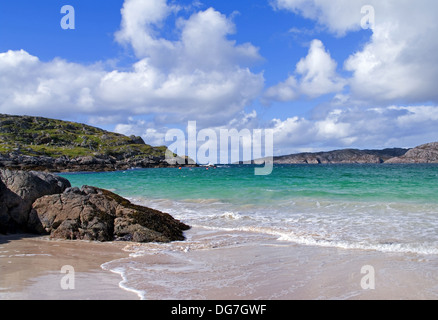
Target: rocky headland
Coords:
[(42, 144), (426, 153), (43, 203)]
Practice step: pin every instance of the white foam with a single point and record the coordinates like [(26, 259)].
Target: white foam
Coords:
[(311, 241), (231, 215), (123, 284), (385, 227)]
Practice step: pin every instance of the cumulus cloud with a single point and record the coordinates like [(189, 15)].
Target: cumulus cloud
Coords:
[(318, 72), (339, 16), (200, 95), (140, 21), (48, 88), (201, 70), (315, 76), (154, 133), (398, 61), (375, 127), (200, 75), (147, 130)]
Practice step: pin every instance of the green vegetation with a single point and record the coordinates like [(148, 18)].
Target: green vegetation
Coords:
[(37, 136)]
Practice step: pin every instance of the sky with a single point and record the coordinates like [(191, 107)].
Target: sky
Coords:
[(320, 74)]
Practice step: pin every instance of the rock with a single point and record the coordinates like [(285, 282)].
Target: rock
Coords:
[(137, 140), (426, 153), (19, 190), (91, 213), (16, 161), (8, 201)]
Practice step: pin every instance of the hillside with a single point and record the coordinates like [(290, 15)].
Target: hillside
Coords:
[(426, 153), (341, 156), (37, 143)]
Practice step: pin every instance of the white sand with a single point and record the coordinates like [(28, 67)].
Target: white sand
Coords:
[(241, 267), (30, 268), (245, 266)]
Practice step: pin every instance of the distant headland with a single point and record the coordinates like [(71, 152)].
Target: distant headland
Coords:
[(427, 153)]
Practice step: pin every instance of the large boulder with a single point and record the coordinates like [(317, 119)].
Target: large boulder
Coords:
[(18, 191), (8, 201), (91, 213)]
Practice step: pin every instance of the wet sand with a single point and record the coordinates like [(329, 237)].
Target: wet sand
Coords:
[(239, 266), (246, 266), (30, 269)]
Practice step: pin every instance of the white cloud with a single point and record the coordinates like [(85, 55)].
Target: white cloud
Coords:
[(28, 85), (339, 16), (294, 133), (200, 75), (287, 90), (150, 134), (382, 127), (398, 63), (202, 43), (140, 21), (318, 72), (201, 70), (316, 75)]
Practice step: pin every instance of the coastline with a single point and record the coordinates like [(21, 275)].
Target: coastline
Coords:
[(240, 266), (248, 266)]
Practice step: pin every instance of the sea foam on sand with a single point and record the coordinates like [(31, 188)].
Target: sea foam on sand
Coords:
[(211, 264), (223, 265)]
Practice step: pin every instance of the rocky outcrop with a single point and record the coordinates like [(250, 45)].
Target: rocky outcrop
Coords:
[(43, 144), (43, 203), (19, 190), (101, 163), (347, 156), (427, 153), (91, 213)]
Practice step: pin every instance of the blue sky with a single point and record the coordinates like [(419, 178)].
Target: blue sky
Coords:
[(306, 69)]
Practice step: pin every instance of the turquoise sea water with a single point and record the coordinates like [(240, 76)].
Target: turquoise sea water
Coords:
[(390, 208)]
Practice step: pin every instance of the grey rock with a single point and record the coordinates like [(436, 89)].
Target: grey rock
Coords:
[(137, 140), (8, 201), (19, 190), (91, 213)]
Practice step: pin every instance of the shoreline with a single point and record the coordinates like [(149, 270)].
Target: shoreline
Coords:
[(87, 170), (238, 266), (247, 266)]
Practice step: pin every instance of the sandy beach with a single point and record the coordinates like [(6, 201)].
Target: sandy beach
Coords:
[(259, 268), (245, 266), (30, 268)]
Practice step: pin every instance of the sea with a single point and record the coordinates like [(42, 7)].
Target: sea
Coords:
[(382, 208)]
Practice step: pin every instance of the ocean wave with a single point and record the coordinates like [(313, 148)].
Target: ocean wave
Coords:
[(385, 227), (231, 215), (319, 241)]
